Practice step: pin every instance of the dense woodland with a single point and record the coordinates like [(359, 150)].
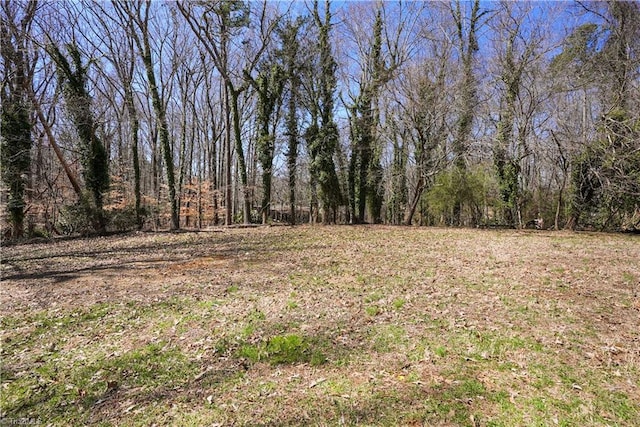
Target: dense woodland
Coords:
[(138, 114)]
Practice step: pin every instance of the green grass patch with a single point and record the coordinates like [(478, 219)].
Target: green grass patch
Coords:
[(440, 351), (399, 303), (373, 297), (282, 349), (629, 278), (373, 310), (61, 389)]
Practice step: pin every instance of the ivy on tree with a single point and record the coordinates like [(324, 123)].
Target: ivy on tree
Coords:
[(72, 75)]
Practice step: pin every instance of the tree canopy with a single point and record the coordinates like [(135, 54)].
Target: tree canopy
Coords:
[(125, 115)]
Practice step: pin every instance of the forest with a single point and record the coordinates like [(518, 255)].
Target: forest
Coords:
[(130, 115)]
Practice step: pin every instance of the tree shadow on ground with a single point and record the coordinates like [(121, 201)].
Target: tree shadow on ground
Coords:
[(62, 263)]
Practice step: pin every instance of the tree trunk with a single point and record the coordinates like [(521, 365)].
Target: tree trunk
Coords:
[(558, 207), (417, 195), (292, 155), (240, 153), (228, 189), (56, 148), (135, 126)]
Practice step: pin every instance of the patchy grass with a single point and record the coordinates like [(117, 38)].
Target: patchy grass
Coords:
[(323, 326), (282, 349)]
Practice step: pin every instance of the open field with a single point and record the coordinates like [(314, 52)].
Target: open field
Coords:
[(323, 326)]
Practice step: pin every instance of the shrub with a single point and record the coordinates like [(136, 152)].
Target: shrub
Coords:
[(124, 219), (75, 219), (469, 190)]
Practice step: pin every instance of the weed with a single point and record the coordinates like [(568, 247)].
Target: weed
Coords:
[(372, 310), (286, 349), (373, 297), (629, 278), (282, 349), (440, 351), (254, 353), (292, 305), (399, 303)]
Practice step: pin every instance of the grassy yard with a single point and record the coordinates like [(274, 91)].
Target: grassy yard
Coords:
[(323, 326)]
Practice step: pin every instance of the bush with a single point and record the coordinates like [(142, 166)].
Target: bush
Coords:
[(469, 191), (124, 219), (75, 219)]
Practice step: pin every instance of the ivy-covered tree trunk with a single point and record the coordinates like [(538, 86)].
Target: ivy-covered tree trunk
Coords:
[(365, 168), (15, 157), (93, 155), (364, 149), (266, 146), (325, 139), (269, 87), (468, 47), (507, 168), (507, 164), (242, 165), (290, 50), (359, 163), (163, 131), (375, 191), (15, 115)]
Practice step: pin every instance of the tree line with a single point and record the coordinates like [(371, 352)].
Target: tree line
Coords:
[(145, 114)]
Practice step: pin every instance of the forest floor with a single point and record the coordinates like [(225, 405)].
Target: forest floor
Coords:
[(365, 325)]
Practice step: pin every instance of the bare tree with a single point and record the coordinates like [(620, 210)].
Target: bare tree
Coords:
[(219, 26), (136, 16), (293, 63)]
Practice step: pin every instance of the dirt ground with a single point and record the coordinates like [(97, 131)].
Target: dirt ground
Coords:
[(510, 309)]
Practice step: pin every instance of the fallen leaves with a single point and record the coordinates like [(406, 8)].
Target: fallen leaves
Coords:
[(494, 307), (317, 382)]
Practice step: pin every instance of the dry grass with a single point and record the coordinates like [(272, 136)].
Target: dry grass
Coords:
[(324, 326)]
